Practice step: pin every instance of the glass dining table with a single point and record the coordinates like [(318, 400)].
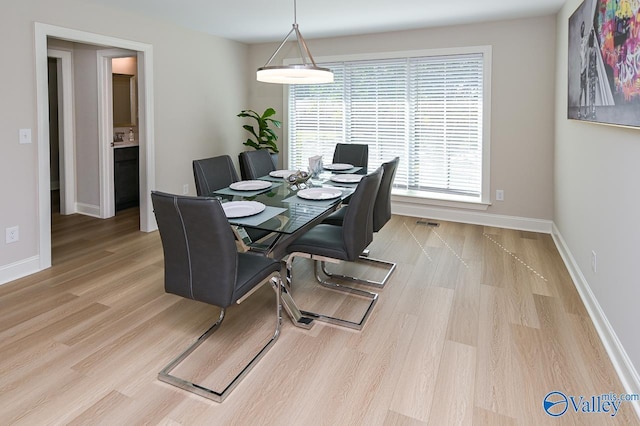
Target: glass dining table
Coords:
[(284, 212), (282, 209)]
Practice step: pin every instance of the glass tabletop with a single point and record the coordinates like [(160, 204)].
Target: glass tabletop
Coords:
[(285, 212)]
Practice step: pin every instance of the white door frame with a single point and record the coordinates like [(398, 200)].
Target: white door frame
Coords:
[(146, 121), (67, 131)]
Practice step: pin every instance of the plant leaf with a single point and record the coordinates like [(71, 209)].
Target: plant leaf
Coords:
[(276, 123), (249, 113), (268, 112), (272, 135), (252, 144), (272, 145)]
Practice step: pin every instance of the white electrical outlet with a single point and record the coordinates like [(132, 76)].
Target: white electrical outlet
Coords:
[(185, 189), (13, 234), (499, 194), (594, 262)]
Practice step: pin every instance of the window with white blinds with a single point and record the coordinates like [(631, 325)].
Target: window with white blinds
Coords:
[(428, 110)]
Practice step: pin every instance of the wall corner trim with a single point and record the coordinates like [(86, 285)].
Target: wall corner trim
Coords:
[(624, 367), (88, 210)]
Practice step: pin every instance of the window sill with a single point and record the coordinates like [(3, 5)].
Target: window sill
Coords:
[(437, 199)]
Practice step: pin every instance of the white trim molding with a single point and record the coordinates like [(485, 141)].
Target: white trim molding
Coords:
[(624, 367), (89, 210), (19, 269), (474, 217)]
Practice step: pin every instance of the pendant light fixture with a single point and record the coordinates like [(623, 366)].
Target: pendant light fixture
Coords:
[(306, 72)]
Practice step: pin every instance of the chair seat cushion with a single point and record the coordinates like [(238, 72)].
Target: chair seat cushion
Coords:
[(252, 270), (336, 218), (322, 240)]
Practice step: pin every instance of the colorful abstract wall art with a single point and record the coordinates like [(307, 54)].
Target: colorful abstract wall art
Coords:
[(604, 62)]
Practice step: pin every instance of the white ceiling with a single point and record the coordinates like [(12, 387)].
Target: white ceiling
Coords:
[(253, 21)]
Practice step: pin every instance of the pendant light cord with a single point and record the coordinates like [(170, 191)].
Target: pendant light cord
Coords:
[(295, 13)]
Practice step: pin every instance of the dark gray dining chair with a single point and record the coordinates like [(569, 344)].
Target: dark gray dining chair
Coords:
[(211, 174), (352, 153), (255, 164), (336, 243), (381, 215), (201, 263)]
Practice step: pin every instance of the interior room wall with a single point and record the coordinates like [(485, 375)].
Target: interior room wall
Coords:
[(199, 87), (85, 73), (522, 93), (124, 66), (596, 204)]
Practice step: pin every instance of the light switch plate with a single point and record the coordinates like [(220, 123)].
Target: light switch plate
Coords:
[(25, 135)]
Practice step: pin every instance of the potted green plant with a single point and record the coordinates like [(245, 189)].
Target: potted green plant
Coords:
[(263, 136)]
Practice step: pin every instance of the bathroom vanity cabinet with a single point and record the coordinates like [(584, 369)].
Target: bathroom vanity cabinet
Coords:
[(126, 177)]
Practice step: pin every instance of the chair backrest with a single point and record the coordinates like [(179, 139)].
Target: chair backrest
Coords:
[(200, 255), (213, 173), (357, 226), (352, 153), (382, 206), (255, 164)]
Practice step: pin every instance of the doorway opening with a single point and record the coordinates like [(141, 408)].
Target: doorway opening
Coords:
[(54, 132), (61, 155), (86, 155), (124, 107)]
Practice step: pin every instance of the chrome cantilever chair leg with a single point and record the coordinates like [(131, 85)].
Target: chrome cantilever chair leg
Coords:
[(364, 259), (373, 297), (165, 374)]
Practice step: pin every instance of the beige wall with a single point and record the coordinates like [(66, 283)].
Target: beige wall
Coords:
[(199, 86), (124, 66), (522, 96), (85, 73), (596, 204)]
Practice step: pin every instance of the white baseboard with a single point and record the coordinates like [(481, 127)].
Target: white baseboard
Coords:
[(472, 217), (19, 269), (88, 209), (624, 367)]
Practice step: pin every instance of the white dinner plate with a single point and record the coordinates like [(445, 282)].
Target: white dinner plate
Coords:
[(338, 166), (250, 185), (319, 193), (281, 173), (346, 178), (242, 208)]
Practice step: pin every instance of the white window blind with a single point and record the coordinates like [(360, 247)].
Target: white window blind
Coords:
[(426, 110)]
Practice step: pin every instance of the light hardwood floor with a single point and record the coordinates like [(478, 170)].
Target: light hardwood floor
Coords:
[(476, 326)]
